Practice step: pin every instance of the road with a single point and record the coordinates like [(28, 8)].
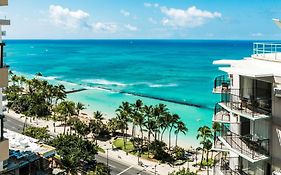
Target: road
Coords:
[(116, 167)]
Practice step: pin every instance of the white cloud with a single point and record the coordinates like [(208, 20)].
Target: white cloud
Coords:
[(78, 19), (257, 34), (67, 18), (151, 20), (147, 4), (125, 13), (104, 27), (130, 27), (191, 17)]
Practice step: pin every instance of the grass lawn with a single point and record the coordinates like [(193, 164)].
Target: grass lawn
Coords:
[(119, 143), (101, 150)]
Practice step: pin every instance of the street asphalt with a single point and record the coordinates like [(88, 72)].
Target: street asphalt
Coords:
[(116, 167)]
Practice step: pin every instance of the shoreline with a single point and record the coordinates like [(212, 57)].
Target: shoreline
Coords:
[(80, 92)]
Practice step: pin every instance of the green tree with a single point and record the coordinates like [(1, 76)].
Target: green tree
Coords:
[(180, 127), (65, 109), (173, 121), (134, 110), (42, 134), (183, 172), (74, 152), (204, 134)]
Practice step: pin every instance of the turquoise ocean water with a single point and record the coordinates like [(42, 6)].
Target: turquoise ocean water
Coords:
[(178, 70)]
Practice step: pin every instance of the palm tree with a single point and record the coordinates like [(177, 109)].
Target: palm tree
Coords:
[(216, 128), (204, 133), (98, 116), (140, 120), (38, 74), (66, 109), (123, 119), (180, 127), (173, 121), (79, 107), (164, 122), (207, 145), (150, 123), (136, 108)]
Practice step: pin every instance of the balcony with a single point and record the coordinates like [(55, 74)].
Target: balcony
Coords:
[(251, 107), (3, 2), (267, 51), (221, 115), (4, 147), (221, 84), (250, 147), (5, 22), (219, 146)]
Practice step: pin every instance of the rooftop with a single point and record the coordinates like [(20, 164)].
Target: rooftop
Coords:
[(264, 62), (24, 149)]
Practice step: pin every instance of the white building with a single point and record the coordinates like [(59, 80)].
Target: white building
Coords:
[(249, 113), (4, 143)]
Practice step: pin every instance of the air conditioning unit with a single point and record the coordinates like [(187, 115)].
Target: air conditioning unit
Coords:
[(3, 33)]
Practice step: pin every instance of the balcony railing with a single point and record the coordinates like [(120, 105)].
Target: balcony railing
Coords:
[(221, 84), (267, 51), (250, 146), (253, 107), (222, 162), (222, 115)]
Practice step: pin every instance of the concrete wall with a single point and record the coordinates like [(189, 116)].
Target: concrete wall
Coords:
[(3, 77), (276, 133), (3, 2), (4, 147)]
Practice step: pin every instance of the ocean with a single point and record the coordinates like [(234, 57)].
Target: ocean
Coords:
[(173, 70)]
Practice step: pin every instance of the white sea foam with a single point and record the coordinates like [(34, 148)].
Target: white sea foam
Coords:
[(162, 85), (104, 82), (49, 78)]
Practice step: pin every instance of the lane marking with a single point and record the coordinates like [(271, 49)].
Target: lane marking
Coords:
[(126, 169)]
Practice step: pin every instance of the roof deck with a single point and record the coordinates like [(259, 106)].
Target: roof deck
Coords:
[(267, 51)]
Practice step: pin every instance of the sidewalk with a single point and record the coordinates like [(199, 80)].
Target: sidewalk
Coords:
[(118, 155)]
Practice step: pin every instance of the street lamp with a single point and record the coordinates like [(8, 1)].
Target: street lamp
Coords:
[(107, 160)]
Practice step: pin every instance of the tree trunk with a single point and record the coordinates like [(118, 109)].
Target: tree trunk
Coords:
[(163, 133), (54, 124), (141, 135), (177, 139), (124, 139), (64, 128), (207, 162), (133, 131), (201, 163), (24, 125), (149, 133), (170, 137)]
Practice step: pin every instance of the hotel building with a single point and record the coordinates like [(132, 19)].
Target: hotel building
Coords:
[(19, 154), (249, 112), (4, 143)]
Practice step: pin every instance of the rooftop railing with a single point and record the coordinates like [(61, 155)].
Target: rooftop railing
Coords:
[(252, 146), (251, 106), (268, 51)]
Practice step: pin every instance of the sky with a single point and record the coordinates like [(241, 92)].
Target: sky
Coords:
[(142, 19)]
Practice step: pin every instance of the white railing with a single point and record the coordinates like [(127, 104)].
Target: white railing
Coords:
[(270, 51)]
